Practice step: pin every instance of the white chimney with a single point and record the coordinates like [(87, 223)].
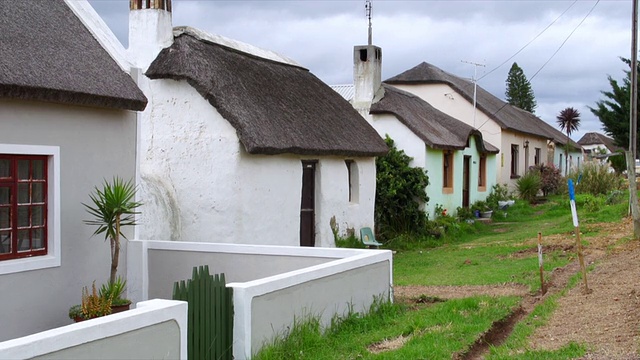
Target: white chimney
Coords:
[(150, 30), (367, 72)]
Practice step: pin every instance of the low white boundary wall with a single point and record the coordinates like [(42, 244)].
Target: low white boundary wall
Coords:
[(146, 315), (278, 282)]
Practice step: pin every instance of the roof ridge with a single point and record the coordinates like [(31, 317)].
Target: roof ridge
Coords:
[(235, 45)]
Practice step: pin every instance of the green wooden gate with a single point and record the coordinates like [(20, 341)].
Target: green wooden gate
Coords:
[(210, 323)]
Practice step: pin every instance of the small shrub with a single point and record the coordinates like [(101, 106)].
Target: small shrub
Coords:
[(464, 214), (440, 211), (594, 203), (615, 197), (596, 179), (350, 241), (618, 162), (529, 185), (498, 193), (550, 178)]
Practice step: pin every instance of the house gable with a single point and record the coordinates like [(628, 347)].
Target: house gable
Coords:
[(506, 115), (437, 129)]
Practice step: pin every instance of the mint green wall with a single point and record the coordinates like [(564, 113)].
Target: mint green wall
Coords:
[(452, 201)]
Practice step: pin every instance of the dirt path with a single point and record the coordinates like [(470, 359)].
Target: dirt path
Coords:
[(607, 320)]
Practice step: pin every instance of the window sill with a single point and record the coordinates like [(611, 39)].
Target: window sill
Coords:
[(447, 190), (28, 264), (515, 176), (482, 188)]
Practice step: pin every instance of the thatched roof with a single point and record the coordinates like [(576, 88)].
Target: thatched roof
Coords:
[(49, 55), (437, 129), (594, 138), (275, 107), (506, 115)]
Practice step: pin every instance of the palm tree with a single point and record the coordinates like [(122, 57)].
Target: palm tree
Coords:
[(569, 121)]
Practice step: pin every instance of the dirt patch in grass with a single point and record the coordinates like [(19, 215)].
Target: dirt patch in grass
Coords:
[(564, 249), (388, 344), (495, 336), (413, 293)]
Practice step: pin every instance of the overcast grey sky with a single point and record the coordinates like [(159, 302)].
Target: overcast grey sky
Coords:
[(320, 35)]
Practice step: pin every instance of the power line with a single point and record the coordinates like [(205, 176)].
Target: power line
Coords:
[(565, 40), (532, 40), (554, 54)]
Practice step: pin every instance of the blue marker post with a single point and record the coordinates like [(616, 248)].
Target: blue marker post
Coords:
[(574, 215)]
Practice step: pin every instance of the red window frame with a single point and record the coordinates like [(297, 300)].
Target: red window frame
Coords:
[(23, 213)]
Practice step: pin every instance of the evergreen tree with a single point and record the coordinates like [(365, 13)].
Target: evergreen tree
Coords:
[(614, 110), (519, 92)]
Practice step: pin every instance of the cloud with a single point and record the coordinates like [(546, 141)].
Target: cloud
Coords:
[(320, 35)]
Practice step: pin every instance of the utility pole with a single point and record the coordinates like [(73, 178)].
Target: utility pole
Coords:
[(633, 125), (475, 86)]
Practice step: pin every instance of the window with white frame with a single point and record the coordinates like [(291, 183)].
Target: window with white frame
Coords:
[(29, 207), (23, 206)]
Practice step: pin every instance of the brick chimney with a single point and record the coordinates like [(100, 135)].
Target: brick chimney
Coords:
[(367, 72), (150, 30)]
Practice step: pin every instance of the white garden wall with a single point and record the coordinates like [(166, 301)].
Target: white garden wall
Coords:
[(273, 285), (155, 329)]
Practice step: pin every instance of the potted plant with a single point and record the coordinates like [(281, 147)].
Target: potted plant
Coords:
[(481, 209), (93, 305), (113, 207), (114, 291)]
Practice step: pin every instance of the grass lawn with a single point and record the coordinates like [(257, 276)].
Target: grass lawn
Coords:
[(482, 254), (428, 332)]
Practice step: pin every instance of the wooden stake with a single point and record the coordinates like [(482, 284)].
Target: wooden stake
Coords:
[(576, 225), (583, 268), (541, 265)]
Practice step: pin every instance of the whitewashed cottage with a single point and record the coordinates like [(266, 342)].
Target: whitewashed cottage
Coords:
[(242, 145)]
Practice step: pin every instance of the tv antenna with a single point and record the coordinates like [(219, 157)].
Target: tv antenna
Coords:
[(367, 11), (475, 85)]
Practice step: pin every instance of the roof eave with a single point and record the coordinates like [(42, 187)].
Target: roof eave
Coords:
[(72, 97)]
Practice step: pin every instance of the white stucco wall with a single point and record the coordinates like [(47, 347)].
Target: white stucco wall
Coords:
[(199, 184), (403, 137), (513, 138)]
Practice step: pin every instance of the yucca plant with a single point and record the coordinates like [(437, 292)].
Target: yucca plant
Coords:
[(114, 291), (529, 185), (113, 208)]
